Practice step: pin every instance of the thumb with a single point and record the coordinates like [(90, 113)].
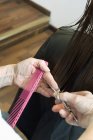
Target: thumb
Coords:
[(68, 97)]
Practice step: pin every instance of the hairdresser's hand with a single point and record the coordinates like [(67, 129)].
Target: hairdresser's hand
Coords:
[(25, 69), (82, 105)]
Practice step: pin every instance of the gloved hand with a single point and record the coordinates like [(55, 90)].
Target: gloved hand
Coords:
[(20, 73), (82, 105), (25, 69)]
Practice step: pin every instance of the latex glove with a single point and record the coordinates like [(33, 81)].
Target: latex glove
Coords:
[(82, 105), (20, 73)]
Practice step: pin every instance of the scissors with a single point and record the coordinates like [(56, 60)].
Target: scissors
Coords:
[(56, 95)]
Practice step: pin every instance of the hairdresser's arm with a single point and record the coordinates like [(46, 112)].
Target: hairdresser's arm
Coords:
[(20, 73), (88, 134)]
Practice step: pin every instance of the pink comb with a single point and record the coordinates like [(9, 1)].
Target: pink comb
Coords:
[(24, 98)]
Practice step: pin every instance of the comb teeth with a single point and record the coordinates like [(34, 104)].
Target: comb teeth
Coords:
[(24, 98), (15, 110)]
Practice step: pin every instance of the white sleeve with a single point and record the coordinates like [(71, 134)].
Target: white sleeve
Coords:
[(6, 131)]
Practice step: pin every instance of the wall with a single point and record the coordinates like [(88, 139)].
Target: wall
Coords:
[(63, 12)]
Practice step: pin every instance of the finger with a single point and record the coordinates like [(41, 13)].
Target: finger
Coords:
[(73, 100), (47, 92), (68, 97), (57, 107), (70, 120), (50, 80), (63, 113)]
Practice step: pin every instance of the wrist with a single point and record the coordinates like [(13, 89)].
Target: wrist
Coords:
[(88, 133), (90, 120), (6, 75)]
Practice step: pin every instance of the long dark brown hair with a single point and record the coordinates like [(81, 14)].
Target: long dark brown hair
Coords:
[(74, 70)]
